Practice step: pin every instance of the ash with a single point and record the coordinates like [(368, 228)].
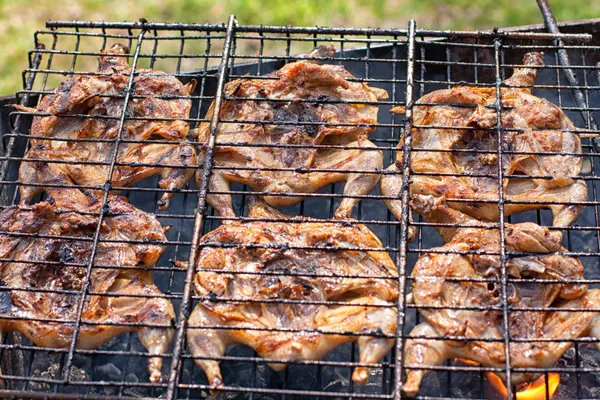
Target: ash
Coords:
[(53, 371)]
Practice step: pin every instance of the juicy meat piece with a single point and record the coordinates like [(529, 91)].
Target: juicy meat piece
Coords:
[(442, 280), (282, 110), (101, 96), (43, 263), (282, 270), (540, 127)]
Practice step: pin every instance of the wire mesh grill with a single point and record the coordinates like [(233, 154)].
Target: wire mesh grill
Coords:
[(407, 64)]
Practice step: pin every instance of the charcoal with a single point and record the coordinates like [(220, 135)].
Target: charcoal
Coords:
[(53, 372), (78, 375), (108, 372), (49, 373), (132, 378)]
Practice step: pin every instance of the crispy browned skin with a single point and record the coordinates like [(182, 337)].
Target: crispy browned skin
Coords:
[(84, 95), (293, 87), (433, 286), (286, 285), (542, 125), (41, 263)]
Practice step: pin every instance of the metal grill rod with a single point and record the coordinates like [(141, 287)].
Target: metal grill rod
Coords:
[(503, 257), (103, 211), (313, 30), (369, 77), (552, 26), (37, 59), (199, 215), (304, 146), (404, 193)]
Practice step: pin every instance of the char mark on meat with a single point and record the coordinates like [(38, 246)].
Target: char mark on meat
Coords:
[(291, 110), (293, 280), (90, 107)]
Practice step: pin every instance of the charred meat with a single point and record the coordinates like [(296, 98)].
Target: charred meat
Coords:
[(88, 108), (49, 247), (289, 111), (460, 281), (458, 126), (278, 275)]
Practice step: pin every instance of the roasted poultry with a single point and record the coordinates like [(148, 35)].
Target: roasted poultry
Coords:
[(283, 257), (441, 280), (286, 108), (536, 125), (90, 107), (43, 263)]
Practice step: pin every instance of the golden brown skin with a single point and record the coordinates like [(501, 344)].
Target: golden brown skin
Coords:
[(542, 125), (286, 285), (432, 286), (302, 80), (84, 95), (40, 263)]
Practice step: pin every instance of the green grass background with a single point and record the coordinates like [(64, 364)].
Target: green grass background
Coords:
[(20, 19)]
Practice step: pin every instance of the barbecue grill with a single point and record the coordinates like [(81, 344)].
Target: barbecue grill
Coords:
[(407, 63)]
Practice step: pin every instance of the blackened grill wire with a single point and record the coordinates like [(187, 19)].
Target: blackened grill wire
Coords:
[(503, 275), (127, 353), (201, 207), (405, 196), (14, 359), (103, 209), (388, 145)]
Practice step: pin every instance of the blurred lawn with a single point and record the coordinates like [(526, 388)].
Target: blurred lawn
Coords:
[(21, 18)]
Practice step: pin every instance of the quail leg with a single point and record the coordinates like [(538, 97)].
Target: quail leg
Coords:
[(176, 178), (221, 202), (359, 183), (422, 353), (362, 319), (207, 343)]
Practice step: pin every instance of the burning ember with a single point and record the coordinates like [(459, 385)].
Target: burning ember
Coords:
[(525, 391), (528, 391)]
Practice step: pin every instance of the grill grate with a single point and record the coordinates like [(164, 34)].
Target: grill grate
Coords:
[(408, 64)]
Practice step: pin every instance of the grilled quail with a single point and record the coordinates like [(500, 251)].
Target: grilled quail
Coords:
[(90, 107), (542, 127), (441, 279), (282, 257), (43, 263), (286, 108)]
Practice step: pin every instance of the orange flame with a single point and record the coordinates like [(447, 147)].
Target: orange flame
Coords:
[(530, 391)]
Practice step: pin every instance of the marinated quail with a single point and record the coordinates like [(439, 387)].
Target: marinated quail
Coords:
[(464, 307), (536, 126), (88, 108), (289, 111), (283, 261), (42, 282)]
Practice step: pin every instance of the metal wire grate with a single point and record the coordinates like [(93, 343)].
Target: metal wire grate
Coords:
[(408, 63)]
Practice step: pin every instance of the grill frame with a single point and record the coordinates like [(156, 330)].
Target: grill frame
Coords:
[(201, 216)]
